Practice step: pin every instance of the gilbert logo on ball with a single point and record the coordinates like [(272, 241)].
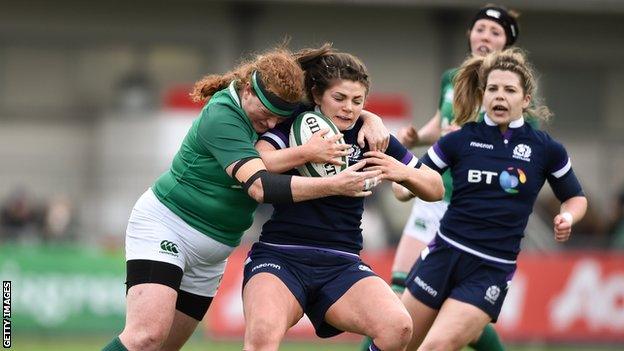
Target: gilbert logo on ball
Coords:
[(302, 130)]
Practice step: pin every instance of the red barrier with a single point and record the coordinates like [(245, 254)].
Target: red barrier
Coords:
[(570, 297), (567, 297)]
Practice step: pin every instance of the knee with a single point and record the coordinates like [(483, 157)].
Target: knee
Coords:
[(144, 339), (402, 333), (262, 335), (396, 334)]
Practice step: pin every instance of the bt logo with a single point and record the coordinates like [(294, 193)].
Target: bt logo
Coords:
[(475, 176), (509, 179)]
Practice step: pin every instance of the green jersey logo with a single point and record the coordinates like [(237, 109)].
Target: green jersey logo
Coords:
[(169, 247), (420, 223)]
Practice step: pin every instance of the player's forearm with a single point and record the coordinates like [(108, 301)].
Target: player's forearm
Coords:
[(373, 131), (424, 183), (308, 188), (426, 138), (401, 192), (430, 132), (576, 207), (282, 160)]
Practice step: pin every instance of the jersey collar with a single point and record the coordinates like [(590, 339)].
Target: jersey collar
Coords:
[(517, 123), (234, 93)]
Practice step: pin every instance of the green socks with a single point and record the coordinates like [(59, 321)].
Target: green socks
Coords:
[(366, 343), (115, 345), (489, 340), (398, 282)]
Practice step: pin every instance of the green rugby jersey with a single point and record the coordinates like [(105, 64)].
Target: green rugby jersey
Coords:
[(196, 187), (445, 105)]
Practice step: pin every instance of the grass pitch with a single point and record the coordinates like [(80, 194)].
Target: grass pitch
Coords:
[(23, 343)]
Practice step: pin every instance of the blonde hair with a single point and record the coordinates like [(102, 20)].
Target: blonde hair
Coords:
[(471, 78), (280, 72)]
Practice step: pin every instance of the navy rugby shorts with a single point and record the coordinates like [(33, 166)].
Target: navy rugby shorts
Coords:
[(444, 271), (316, 277)]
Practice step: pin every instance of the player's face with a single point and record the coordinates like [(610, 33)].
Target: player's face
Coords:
[(504, 98), (342, 102), (261, 118), (486, 36)]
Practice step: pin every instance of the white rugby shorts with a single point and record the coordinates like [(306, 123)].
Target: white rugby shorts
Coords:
[(424, 220), (156, 233)]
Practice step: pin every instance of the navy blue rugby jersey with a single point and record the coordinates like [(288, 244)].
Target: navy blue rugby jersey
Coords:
[(496, 179), (332, 222)]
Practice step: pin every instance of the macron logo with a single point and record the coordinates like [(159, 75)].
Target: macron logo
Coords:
[(482, 145), (267, 265), (431, 291)]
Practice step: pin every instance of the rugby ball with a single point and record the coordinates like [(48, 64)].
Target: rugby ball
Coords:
[(302, 129)]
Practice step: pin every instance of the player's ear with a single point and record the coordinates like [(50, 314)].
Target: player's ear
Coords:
[(316, 96), (246, 91), (526, 101)]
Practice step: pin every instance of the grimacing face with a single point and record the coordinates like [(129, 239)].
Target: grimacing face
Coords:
[(486, 36), (261, 118), (342, 102), (504, 99)]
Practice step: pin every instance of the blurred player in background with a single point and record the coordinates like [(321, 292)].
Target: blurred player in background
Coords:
[(307, 259), (498, 166), (182, 230), (491, 29)]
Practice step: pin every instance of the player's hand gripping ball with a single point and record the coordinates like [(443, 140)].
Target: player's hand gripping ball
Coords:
[(302, 129)]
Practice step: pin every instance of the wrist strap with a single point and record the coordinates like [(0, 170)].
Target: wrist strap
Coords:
[(567, 216)]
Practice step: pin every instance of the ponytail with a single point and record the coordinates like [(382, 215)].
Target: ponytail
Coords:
[(281, 76), (206, 87), (468, 95)]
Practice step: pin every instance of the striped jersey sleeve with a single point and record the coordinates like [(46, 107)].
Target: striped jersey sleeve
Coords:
[(441, 155), (561, 177), (399, 152), (278, 136)]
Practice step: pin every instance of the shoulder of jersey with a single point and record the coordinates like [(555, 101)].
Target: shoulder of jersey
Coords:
[(303, 128), (542, 135), (470, 127)]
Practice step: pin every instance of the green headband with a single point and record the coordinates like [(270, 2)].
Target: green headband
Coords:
[(272, 102)]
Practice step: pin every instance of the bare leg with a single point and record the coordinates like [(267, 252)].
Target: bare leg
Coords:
[(370, 308), (407, 253), (150, 310), (270, 310), (456, 325), (181, 330), (422, 318)]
